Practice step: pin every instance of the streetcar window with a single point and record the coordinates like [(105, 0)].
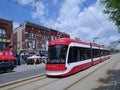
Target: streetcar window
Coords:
[(96, 53), (102, 52), (72, 54), (57, 53), (107, 52), (78, 54), (85, 53)]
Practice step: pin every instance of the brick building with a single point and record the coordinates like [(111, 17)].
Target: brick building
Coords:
[(31, 37), (6, 27)]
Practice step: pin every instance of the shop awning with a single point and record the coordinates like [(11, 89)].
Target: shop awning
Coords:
[(6, 56)]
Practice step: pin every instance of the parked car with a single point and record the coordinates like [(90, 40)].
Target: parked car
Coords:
[(6, 65)]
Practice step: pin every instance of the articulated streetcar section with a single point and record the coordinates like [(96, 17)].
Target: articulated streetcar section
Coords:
[(68, 56)]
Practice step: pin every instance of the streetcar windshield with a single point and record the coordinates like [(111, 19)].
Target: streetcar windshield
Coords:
[(57, 53)]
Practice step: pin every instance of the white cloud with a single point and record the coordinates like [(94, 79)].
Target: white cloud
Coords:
[(39, 7), (55, 2), (41, 12), (15, 25), (24, 2), (86, 24), (114, 38)]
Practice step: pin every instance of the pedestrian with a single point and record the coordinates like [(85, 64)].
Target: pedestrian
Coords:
[(35, 60)]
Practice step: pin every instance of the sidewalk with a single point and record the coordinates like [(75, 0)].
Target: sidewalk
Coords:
[(28, 67)]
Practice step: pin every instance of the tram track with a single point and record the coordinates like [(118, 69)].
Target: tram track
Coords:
[(35, 85), (30, 83), (70, 87), (21, 82), (41, 82), (49, 82)]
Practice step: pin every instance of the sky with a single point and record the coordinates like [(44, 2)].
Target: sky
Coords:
[(79, 18)]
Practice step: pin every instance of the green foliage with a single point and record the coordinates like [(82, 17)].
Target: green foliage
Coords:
[(112, 7)]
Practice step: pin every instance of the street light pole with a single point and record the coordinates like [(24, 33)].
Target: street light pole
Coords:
[(95, 39)]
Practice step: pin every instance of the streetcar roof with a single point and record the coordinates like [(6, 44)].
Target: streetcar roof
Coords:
[(66, 41)]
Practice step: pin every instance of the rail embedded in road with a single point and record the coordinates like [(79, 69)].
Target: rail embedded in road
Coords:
[(24, 80)]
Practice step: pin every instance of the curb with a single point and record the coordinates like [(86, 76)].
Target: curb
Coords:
[(20, 80)]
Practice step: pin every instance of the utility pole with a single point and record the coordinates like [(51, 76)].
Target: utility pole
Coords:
[(34, 4)]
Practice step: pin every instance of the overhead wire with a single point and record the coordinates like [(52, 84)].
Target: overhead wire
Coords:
[(95, 17), (33, 9), (93, 14), (24, 6)]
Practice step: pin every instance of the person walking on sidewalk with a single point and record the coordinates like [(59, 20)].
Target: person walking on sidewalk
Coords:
[(35, 60)]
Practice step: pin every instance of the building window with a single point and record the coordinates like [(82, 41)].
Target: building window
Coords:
[(2, 46), (2, 32), (30, 44), (32, 35)]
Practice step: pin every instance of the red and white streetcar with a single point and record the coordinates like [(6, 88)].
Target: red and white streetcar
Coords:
[(68, 56)]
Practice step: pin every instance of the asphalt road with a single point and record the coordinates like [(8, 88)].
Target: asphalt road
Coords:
[(112, 79), (15, 75)]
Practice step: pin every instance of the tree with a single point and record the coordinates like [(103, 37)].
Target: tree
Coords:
[(112, 7)]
